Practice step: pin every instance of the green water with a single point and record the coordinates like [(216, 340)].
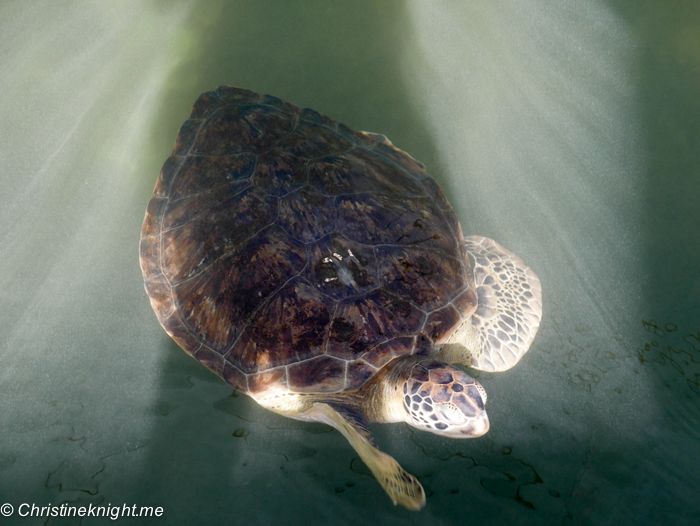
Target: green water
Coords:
[(569, 132)]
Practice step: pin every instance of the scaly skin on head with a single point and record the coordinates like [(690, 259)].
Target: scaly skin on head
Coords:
[(429, 395)]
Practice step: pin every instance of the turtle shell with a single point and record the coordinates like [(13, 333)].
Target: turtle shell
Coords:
[(285, 251)]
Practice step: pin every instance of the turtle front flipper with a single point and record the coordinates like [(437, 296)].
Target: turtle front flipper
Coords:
[(507, 316), (402, 487)]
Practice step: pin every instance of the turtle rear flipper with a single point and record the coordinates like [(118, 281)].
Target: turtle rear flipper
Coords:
[(402, 487), (507, 316)]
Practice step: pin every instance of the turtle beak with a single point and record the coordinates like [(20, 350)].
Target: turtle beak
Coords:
[(475, 427), (480, 425), (463, 425)]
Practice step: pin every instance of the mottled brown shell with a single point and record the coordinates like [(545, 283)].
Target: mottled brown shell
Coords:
[(285, 251)]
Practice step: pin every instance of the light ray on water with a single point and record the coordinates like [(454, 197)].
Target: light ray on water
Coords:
[(536, 125), (82, 96)]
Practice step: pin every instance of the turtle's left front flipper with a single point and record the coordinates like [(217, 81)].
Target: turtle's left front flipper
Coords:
[(402, 487), (508, 313)]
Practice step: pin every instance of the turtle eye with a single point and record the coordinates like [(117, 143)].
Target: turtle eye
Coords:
[(481, 390), (450, 413)]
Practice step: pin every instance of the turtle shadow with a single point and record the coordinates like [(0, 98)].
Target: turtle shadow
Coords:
[(186, 432)]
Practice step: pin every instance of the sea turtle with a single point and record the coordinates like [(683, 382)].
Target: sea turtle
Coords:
[(322, 272)]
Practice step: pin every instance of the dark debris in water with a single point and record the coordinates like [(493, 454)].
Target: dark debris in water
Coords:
[(671, 351)]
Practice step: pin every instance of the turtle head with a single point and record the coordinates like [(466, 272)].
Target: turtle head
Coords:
[(442, 399)]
